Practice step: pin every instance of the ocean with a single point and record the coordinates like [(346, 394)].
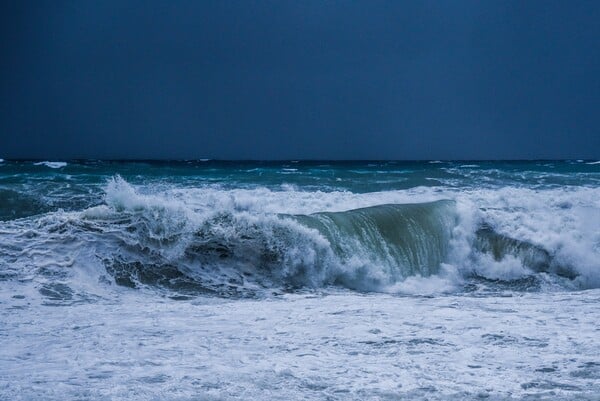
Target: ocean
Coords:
[(299, 280)]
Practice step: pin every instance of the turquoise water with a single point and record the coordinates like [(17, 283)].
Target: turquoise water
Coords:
[(235, 280), (39, 188)]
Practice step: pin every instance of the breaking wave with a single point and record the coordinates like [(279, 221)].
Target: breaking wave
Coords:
[(186, 246), (220, 250)]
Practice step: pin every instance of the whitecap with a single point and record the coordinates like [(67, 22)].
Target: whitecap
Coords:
[(51, 164)]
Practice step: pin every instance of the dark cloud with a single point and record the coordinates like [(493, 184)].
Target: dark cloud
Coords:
[(277, 79)]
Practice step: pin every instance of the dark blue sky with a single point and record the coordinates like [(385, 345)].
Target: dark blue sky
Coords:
[(303, 79)]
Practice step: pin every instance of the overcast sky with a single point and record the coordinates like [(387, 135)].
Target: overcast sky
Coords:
[(302, 79)]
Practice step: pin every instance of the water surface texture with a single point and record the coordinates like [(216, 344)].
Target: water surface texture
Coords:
[(298, 280)]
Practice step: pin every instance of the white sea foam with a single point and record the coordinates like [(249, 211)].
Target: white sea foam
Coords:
[(566, 222), (74, 334), (51, 164), (508, 269), (596, 162), (345, 346), (448, 280)]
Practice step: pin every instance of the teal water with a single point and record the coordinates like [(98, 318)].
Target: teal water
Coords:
[(27, 187), (222, 227), (299, 280)]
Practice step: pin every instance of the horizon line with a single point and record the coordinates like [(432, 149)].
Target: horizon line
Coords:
[(298, 160)]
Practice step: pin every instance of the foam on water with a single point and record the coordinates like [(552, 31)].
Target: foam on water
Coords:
[(178, 287), (346, 346)]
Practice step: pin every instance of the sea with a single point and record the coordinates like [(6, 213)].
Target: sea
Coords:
[(299, 280)]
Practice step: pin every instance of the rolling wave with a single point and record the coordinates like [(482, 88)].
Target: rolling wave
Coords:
[(167, 243), (363, 249)]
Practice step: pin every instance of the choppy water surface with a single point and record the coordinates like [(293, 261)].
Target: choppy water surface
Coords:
[(299, 280)]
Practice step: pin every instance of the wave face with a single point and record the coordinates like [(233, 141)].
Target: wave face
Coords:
[(187, 240), (381, 245)]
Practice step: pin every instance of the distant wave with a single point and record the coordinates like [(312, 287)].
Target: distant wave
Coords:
[(51, 164), (596, 162)]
